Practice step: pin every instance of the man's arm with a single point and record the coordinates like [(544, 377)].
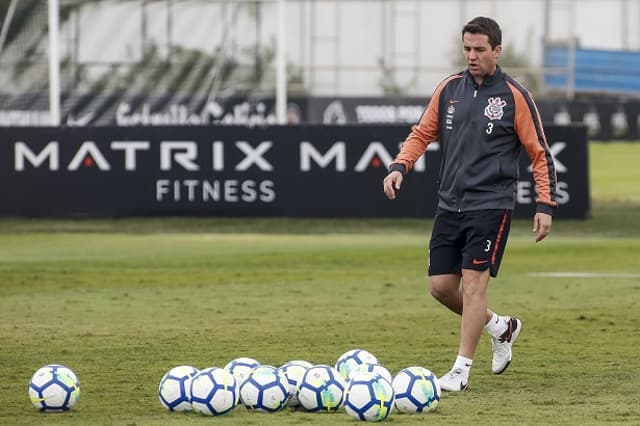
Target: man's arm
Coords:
[(528, 127)]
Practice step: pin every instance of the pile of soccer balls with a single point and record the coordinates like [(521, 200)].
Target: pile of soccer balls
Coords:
[(357, 383)]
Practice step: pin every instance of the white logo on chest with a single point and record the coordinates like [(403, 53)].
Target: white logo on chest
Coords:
[(495, 111)]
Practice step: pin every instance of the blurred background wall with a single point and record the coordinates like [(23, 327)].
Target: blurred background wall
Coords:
[(193, 62)]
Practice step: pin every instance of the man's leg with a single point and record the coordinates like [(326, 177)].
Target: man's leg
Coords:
[(485, 244), (470, 301), (475, 314), (503, 330), (446, 289)]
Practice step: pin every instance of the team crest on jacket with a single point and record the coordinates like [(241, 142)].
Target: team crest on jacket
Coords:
[(495, 111)]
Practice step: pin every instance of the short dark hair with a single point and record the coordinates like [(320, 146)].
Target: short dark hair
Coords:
[(486, 26)]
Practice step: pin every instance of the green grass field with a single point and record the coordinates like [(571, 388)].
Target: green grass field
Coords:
[(123, 301)]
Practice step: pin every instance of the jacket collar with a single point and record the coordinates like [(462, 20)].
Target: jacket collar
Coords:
[(489, 80)]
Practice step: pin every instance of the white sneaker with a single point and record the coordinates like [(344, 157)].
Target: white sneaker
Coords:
[(454, 381), (502, 346)]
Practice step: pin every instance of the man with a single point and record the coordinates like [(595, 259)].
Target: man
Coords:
[(481, 117)]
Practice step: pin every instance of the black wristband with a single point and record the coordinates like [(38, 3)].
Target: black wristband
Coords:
[(545, 208), (398, 167)]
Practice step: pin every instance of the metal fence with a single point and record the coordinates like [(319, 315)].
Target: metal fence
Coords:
[(189, 52)]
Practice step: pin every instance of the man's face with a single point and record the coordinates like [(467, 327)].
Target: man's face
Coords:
[(481, 59)]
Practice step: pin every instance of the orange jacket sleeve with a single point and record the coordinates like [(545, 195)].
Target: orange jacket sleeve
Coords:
[(422, 133), (528, 127)]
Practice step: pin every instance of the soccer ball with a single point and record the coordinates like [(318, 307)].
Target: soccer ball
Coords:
[(321, 389), (372, 368), (54, 387), (369, 397), (293, 371), (351, 359), (266, 389), (241, 368), (174, 390), (214, 392), (417, 390)]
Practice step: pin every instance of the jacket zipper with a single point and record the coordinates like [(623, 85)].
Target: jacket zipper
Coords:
[(458, 191)]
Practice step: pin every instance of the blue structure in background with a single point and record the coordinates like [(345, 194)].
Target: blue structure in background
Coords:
[(596, 71)]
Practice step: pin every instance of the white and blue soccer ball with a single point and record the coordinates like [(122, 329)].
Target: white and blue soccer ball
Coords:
[(321, 388), (241, 368), (54, 387), (417, 390), (266, 390), (349, 360), (372, 368), (293, 371), (174, 390), (214, 392), (369, 397)]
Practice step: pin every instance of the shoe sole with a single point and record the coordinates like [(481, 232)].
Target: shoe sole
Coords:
[(514, 336)]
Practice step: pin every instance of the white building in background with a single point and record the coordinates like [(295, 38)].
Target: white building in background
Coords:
[(139, 60), (343, 47)]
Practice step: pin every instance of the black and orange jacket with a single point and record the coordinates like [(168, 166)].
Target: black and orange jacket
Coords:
[(481, 129)]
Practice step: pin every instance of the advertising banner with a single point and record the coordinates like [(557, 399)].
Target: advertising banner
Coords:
[(606, 118), (288, 171), (365, 110)]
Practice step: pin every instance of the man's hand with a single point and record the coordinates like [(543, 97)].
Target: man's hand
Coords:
[(541, 225), (392, 183)]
